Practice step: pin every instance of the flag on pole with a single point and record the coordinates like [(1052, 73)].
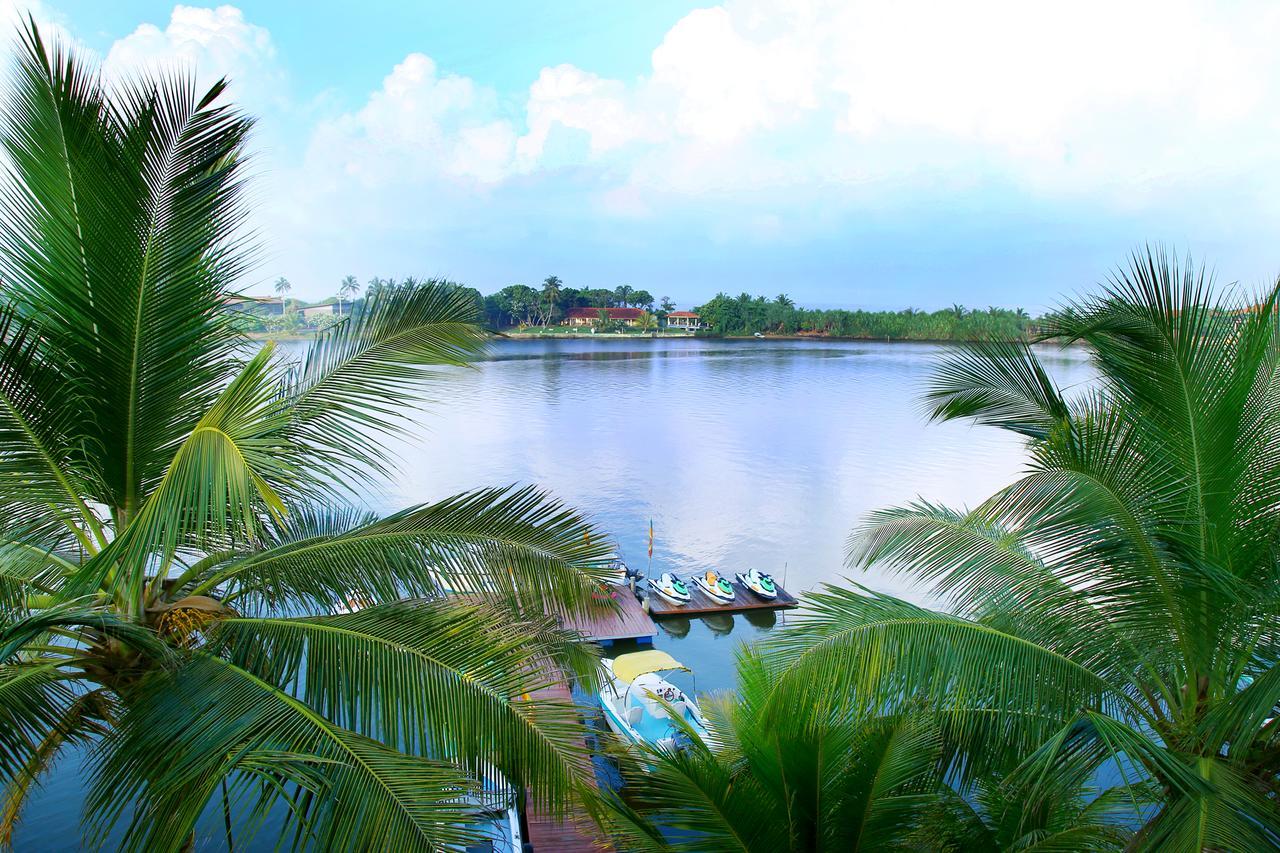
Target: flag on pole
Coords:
[(651, 539)]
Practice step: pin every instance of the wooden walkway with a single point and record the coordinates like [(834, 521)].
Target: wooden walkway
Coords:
[(629, 622), (579, 833), (701, 604)]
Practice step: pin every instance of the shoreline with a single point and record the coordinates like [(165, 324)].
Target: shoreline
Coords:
[(617, 336), (523, 336)]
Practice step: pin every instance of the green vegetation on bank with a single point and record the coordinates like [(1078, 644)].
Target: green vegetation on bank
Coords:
[(543, 311), (747, 315)]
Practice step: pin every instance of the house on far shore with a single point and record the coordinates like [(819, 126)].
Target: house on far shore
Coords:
[(263, 306), (590, 316), (326, 309), (684, 320)]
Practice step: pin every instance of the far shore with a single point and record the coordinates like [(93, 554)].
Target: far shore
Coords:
[(613, 336), (621, 336)]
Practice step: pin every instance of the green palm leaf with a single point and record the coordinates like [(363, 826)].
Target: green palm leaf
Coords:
[(1140, 546), (997, 383), (158, 482), (213, 716), (858, 649), (435, 678), (515, 545), (122, 213), (360, 377)]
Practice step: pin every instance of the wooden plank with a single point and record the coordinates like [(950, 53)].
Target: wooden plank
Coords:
[(701, 604), (629, 622), (578, 833)]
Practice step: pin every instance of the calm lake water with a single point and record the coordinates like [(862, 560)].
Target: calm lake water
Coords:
[(743, 453)]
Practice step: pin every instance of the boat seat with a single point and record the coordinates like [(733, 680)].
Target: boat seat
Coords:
[(634, 715)]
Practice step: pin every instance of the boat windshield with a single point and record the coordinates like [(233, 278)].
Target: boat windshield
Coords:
[(648, 689)]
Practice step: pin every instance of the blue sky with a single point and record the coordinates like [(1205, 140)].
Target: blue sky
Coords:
[(848, 153)]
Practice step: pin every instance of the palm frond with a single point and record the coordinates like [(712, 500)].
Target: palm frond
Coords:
[(1232, 814), (440, 679), (362, 376), (34, 698), (43, 475), (123, 212), (800, 782), (997, 383), (84, 613), (216, 484), (856, 649), (82, 721), (517, 545), (215, 719)]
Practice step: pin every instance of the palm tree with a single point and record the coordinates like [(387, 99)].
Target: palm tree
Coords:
[(803, 777), (784, 301), (551, 293), (623, 294), (375, 285), (282, 290), (178, 569), (777, 782), (348, 288), (1116, 609)]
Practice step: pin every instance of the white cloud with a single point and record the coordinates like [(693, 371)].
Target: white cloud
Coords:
[(719, 75), (212, 42), (1103, 97), (419, 125), (763, 121), (579, 100)]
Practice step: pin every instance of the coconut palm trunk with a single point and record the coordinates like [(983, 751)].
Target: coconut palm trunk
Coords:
[(185, 590)]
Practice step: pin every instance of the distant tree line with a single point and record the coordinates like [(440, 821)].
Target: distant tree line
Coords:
[(746, 315), (520, 304), (549, 304)]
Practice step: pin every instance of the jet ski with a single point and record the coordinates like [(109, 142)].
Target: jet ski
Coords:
[(716, 587), (761, 583), (670, 588)]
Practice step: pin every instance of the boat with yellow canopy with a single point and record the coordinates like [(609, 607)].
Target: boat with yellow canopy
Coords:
[(642, 704)]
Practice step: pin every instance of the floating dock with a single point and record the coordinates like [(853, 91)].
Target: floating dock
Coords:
[(701, 604), (628, 622)]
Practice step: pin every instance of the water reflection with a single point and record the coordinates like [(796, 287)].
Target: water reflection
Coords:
[(762, 619), (676, 627), (720, 624), (743, 454)]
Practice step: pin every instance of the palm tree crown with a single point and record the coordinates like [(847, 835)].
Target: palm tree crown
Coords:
[(175, 539), (1113, 612)]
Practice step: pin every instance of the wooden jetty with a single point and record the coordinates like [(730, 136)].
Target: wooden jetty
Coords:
[(628, 622), (701, 604), (576, 834)]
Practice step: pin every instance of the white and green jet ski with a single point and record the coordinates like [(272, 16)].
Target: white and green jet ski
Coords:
[(670, 588), (716, 588), (761, 583)]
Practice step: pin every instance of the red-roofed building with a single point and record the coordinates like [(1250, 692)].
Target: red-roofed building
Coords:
[(684, 320), (590, 316)]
